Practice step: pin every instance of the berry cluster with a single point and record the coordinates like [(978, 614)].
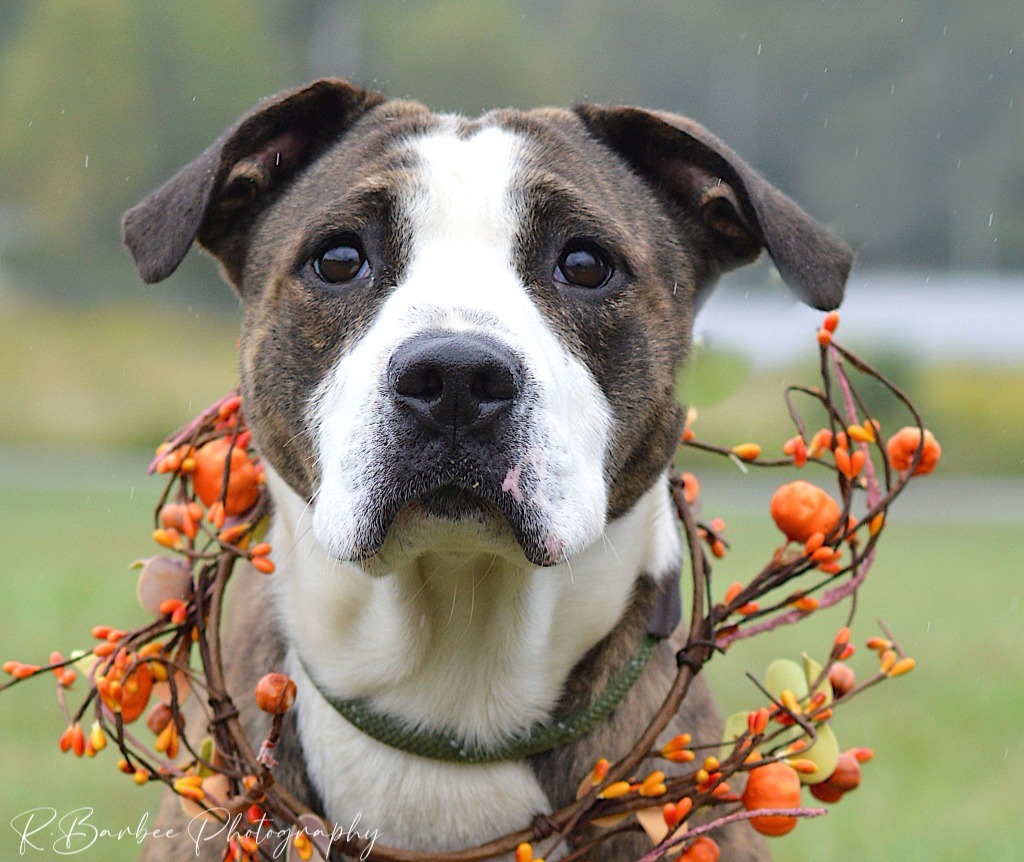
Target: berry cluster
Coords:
[(211, 516)]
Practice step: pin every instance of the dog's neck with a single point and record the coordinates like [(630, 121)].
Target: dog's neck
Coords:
[(467, 641)]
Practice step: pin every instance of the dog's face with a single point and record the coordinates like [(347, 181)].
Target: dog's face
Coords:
[(464, 334)]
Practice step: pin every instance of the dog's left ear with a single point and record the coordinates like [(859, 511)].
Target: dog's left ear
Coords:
[(743, 211)]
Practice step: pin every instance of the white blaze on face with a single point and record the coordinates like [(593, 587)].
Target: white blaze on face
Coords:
[(463, 220)]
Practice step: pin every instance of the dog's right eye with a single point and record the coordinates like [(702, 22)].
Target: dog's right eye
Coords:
[(342, 263)]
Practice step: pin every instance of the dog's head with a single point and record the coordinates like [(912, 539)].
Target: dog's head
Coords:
[(467, 331)]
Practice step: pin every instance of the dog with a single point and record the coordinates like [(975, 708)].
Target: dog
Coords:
[(458, 350)]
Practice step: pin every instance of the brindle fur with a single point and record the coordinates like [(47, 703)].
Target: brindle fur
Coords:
[(674, 203)]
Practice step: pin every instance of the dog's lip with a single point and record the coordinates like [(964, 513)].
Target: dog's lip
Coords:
[(428, 499)]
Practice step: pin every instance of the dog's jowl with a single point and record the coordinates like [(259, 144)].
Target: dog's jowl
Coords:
[(458, 351)]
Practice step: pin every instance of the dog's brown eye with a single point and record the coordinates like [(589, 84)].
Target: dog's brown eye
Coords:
[(342, 263), (583, 265)]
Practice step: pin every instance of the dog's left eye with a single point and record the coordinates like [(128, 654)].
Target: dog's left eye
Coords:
[(583, 265), (342, 263)]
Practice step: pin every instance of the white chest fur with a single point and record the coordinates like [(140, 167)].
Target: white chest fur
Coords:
[(467, 643)]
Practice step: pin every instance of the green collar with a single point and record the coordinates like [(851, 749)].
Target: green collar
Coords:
[(445, 745)]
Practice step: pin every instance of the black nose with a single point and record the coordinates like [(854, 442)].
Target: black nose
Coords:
[(455, 383)]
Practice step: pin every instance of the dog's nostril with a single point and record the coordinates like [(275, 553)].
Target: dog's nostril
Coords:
[(457, 383), (419, 382), (494, 384)]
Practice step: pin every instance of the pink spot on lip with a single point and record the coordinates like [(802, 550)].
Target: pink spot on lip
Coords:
[(511, 483)]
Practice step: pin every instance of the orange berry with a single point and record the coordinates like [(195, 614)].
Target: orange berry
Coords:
[(878, 643), (774, 785), (887, 660), (169, 606), (903, 445), (208, 476), (863, 755), (803, 767), (813, 543), (718, 548), (262, 564), (77, 740), (824, 554), (677, 742), (601, 770), (216, 514), (821, 442), (260, 550), (824, 337), (275, 693), (801, 509), (704, 849), (65, 739), (757, 721), (303, 846), (747, 451), (691, 487), (733, 591), (748, 609), (229, 407), (789, 701), (796, 448), (169, 538), (97, 738), (861, 433), (876, 523), (615, 790), (831, 321), (904, 665), (231, 535), (655, 788), (135, 693), (524, 853)]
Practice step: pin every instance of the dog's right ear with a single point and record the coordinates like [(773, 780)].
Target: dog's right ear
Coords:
[(213, 197)]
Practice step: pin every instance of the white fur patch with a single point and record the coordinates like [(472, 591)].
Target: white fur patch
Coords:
[(468, 643), (463, 218), (460, 631)]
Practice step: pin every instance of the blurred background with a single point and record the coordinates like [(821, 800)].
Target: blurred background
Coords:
[(899, 124)]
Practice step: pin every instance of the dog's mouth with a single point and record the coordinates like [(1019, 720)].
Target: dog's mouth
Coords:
[(452, 503), (480, 504)]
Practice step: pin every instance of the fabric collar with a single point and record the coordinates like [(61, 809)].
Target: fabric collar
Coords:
[(445, 745)]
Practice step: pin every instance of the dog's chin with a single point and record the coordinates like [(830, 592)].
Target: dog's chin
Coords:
[(449, 519)]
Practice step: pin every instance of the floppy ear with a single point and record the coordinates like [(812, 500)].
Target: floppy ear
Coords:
[(215, 195), (742, 210)]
